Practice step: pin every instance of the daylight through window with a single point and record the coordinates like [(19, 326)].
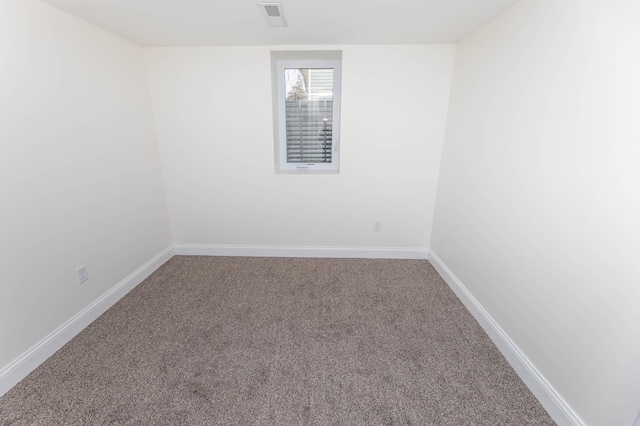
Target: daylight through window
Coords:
[(307, 94)]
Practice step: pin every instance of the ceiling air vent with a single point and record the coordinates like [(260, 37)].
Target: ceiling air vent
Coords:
[(273, 13)]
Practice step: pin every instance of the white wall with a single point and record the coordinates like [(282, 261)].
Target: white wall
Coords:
[(80, 181), (538, 201), (213, 112)]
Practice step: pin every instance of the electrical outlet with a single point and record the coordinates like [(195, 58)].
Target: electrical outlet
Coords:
[(82, 273), (377, 226)]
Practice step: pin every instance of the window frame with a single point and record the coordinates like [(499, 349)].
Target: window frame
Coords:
[(281, 60)]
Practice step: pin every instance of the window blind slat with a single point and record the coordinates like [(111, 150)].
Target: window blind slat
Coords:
[(308, 131)]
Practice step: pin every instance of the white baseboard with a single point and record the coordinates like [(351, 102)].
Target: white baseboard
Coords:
[(30, 360), (286, 251), (546, 394), (555, 405)]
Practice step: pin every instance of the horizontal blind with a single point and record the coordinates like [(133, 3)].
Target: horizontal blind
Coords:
[(309, 131)]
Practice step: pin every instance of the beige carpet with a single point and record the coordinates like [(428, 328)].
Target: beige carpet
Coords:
[(266, 341)]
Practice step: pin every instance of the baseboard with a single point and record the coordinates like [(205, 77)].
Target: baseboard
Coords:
[(555, 405), (30, 360), (546, 394), (287, 251)]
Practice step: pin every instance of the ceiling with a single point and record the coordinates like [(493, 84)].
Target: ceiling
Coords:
[(241, 22)]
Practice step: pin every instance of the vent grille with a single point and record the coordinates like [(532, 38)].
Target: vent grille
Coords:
[(273, 13), (271, 10)]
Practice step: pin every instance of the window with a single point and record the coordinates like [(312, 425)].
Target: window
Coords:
[(306, 98)]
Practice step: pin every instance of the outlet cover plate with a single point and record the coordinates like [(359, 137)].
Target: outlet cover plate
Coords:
[(83, 276)]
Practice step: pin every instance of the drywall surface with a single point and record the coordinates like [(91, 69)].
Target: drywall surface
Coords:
[(538, 198), (80, 179), (213, 111)]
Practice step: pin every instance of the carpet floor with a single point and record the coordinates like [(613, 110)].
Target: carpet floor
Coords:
[(279, 341)]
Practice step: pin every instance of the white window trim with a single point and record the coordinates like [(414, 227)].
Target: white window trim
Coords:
[(281, 60)]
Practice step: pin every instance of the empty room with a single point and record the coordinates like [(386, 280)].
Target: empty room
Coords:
[(382, 212)]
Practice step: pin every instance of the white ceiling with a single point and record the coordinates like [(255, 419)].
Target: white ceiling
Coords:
[(240, 22)]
